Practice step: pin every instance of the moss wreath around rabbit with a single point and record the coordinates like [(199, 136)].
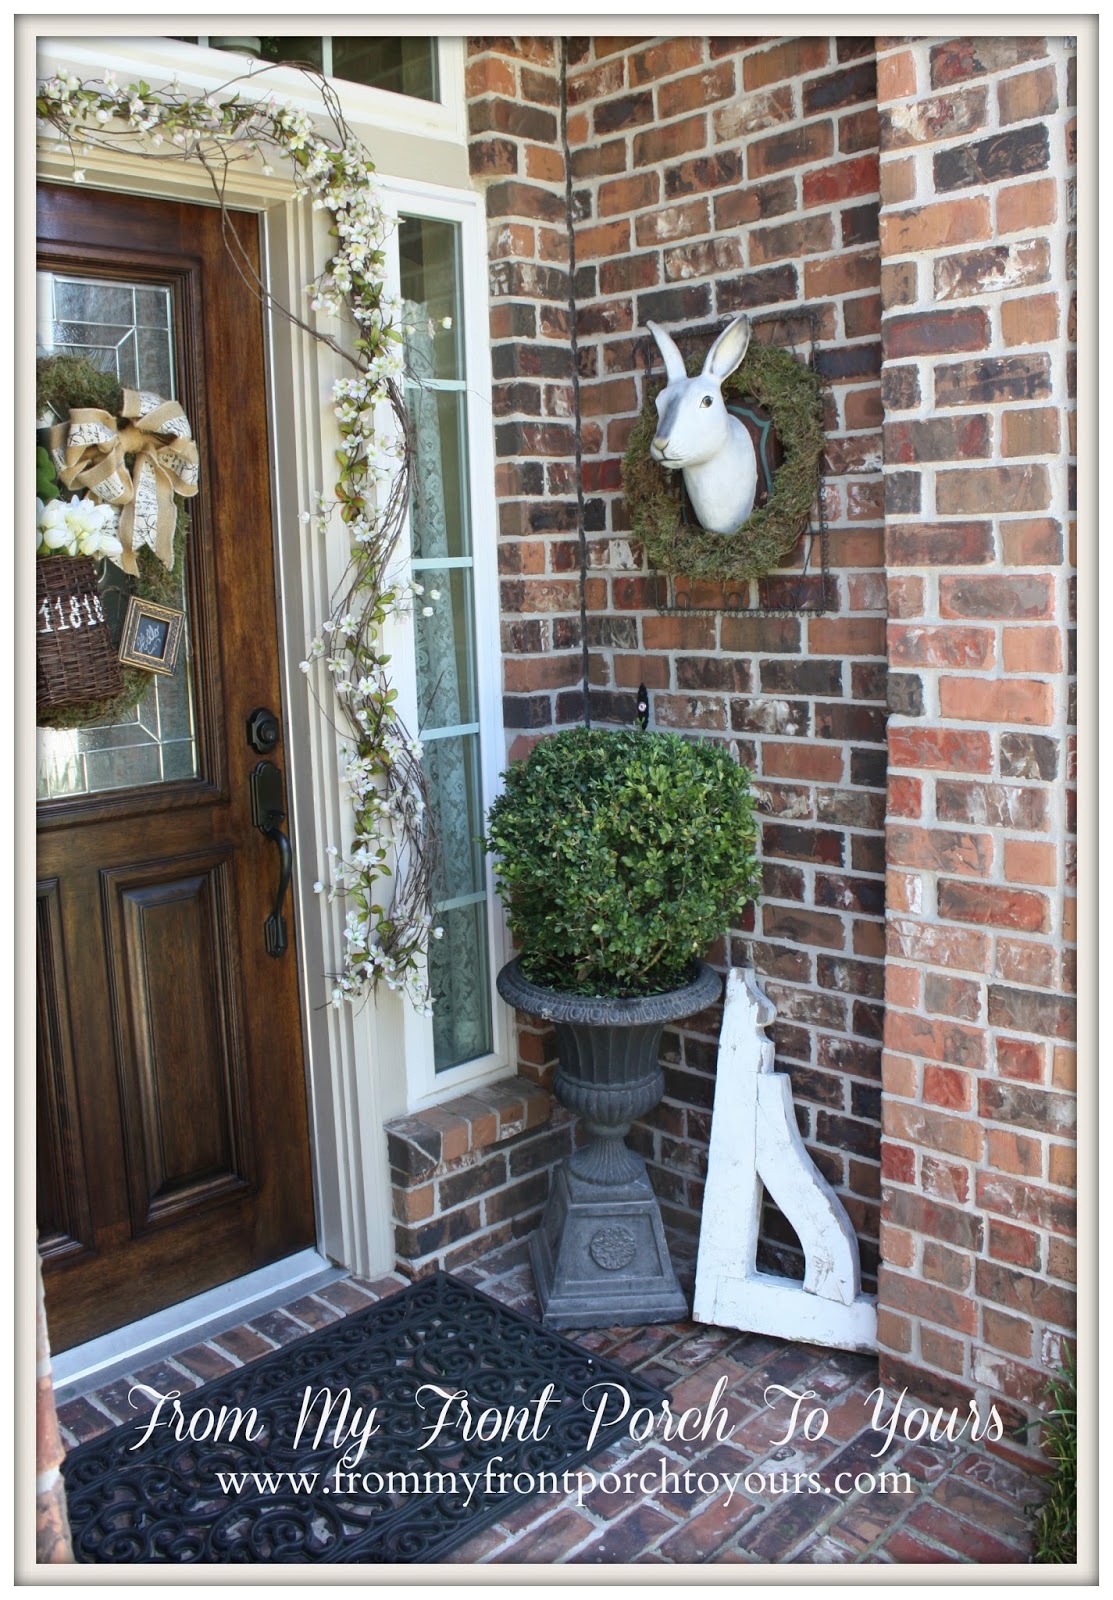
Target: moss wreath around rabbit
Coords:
[(793, 396), (65, 383)]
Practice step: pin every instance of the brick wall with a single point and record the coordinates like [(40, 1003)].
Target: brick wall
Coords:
[(978, 382), (473, 1175), (706, 176), (684, 179)]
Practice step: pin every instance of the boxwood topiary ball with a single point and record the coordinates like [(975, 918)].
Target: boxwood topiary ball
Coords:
[(621, 856)]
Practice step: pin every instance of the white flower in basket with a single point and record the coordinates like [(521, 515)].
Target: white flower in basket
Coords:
[(80, 527)]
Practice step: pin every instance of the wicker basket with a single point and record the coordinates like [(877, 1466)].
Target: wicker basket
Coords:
[(75, 660)]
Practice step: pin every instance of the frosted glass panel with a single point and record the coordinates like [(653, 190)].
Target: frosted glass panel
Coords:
[(125, 329), (445, 640)]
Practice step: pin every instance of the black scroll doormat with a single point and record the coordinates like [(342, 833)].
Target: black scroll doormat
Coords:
[(451, 1410)]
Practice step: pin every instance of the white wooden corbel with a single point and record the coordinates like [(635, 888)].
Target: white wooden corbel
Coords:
[(756, 1144)]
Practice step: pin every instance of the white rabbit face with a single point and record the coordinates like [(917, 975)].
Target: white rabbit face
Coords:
[(692, 422), (695, 432)]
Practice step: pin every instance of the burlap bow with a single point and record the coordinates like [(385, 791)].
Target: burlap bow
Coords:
[(89, 452)]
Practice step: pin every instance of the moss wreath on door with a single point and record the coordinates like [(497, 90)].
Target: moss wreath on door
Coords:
[(113, 468), (779, 401)]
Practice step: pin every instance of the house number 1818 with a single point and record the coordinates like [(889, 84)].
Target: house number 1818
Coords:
[(94, 613)]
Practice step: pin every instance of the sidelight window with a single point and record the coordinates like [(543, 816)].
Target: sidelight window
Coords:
[(456, 728)]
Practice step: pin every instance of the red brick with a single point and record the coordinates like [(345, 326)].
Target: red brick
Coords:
[(1032, 432), (894, 1333), (1020, 1293), (1033, 319), (697, 90), (960, 59), (939, 544), (1009, 597), (802, 759), (841, 181), (805, 236), (1009, 1151), (959, 221), (944, 1180), (1016, 700), (1002, 1332), (666, 223), (997, 489), (662, 60), (936, 1040), (992, 269), (785, 61), (1028, 861), (953, 997), (943, 1086), (905, 796), (943, 1265), (1032, 649), (812, 141), (937, 439), (940, 850), (842, 274), (992, 907), (753, 113), (936, 333), (898, 1246), (627, 194), (933, 945), (663, 144), (940, 749), (930, 1302), (1027, 205), (896, 76), (898, 1163), (940, 646), (852, 636), (939, 1350), (927, 121), (1025, 961), (489, 75)]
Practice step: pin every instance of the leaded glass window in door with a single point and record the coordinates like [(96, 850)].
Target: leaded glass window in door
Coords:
[(128, 329)]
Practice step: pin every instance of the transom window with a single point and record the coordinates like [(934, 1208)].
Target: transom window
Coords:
[(402, 66)]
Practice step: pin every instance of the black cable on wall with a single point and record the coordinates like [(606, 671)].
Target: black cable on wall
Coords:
[(569, 218)]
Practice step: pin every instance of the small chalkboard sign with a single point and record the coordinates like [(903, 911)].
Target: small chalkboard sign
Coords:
[(151, 636)]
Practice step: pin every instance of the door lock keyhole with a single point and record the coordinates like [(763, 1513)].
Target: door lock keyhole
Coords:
[(263, 730)]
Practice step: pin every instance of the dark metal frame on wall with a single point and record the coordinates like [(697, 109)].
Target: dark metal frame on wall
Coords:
[(807, 590)]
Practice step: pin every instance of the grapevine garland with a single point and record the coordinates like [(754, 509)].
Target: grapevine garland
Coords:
[(388, 925)]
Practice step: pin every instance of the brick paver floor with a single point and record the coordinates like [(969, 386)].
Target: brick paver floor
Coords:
[(751, 1495)]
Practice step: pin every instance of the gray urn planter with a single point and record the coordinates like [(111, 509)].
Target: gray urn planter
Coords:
[(599, 1257)]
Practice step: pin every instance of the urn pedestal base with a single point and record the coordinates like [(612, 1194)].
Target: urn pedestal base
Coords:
[(599, 1257)]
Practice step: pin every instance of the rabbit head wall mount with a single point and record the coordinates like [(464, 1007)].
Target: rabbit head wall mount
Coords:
[(697, 435)]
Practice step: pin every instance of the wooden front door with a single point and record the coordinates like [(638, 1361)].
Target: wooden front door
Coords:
[(173, 1149)]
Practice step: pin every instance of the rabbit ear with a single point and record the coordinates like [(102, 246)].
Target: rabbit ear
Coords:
[(674, 361), (729, 348)]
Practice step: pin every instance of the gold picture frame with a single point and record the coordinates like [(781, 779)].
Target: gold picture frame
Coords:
[(151, 637)]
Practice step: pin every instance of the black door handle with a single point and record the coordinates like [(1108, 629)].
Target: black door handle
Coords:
[(266, 813)]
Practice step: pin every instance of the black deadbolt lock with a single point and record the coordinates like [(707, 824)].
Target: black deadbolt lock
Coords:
[(263, 731)]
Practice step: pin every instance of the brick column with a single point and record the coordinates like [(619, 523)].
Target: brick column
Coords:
[(52, 1526), (977, 267)]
